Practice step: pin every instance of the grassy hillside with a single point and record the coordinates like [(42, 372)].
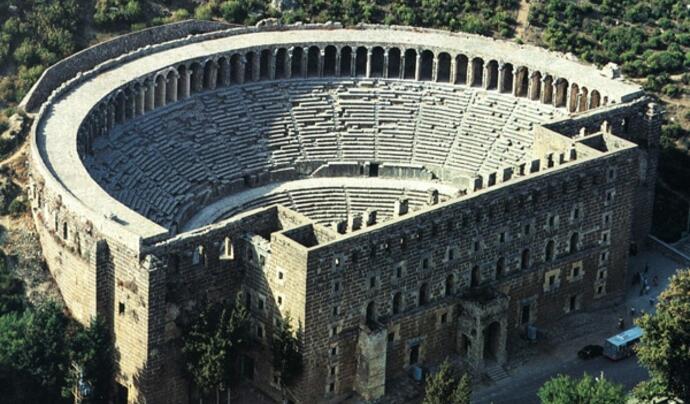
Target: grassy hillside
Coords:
[(650, 39)]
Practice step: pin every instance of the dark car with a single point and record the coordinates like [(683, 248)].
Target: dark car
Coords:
[(590, 351)]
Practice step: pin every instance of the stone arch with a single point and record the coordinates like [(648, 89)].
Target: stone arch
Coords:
[(550, 251), (561, 97), (492, 75), (492, 339), (506, 85), (475, 277), (236, 69), (461, 69), (197, 77), (594, 99), (500, 267), (574, 242), (223, 71), (427, 65), (521, 81), (249, 62), (574, 92), (210, 75), (296, 62), (361, 62), (477, 72), (450, 284), (397, 303), (265, 58), (313, 56), (443, 68), (172, 83), (582, 102), (423, 297), (346, 61), (280, 65), (159, 100), (394, 63), (377, 62), (535, 86), (525, 259), (410, 66), (329, 60)]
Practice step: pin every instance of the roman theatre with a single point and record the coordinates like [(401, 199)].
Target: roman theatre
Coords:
[(404, 194)]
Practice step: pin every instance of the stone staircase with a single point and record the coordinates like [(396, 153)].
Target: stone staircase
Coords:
[(496, 373)]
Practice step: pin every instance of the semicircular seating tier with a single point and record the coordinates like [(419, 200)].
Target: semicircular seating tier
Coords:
[(163, 163)]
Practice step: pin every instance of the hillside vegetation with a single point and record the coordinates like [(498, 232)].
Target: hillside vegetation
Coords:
[(650, 39)]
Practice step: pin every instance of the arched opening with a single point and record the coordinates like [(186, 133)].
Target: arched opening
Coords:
[(394, 63), (371, 314), (443, 68), (500, 267), (550, 251), (522, 84), (209, 75), (574, 92), (171, 91), (507, 82), (159, 101), (410, 64), (450, 285), (561, 93), (461, 69), (313, 56), (583, 99), (492, 337), (492, 75), (477, 72), (475, 279), (547, 93), (524, 259), (183, 82), (265, 64), (377, 62), (65, 231), (361, 62), (236, 69), (574, 241), (223, 72), (423, 294), (397, 303), (465, 345), (296, 63), (329, 61), (427, 65), (595, 99), (535, 86), (197, 77), (346, 61), (281, 57), (249, 67)]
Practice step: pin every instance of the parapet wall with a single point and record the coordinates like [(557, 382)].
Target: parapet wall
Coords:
[(90, 57)]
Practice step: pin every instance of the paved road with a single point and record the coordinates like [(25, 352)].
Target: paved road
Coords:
[(523, 390)]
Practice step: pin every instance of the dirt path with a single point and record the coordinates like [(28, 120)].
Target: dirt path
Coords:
[(523, 13)]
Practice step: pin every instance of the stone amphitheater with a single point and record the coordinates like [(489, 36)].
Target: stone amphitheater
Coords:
[(404, 194)]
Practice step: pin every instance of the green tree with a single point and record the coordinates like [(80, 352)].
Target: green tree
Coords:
[(287, 357), (93, 361), (665, 345), (446, 386), (212, 343), (564, 389)]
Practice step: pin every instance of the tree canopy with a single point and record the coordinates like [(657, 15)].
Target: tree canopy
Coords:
[(447, 386), (287, 357), (563, 389)]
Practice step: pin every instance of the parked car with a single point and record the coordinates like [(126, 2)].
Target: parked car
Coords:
[(590, 351)]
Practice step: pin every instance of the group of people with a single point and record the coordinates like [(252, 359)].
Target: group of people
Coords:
[(645, 288)]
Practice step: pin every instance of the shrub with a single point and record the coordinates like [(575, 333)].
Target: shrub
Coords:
[(17, 207)]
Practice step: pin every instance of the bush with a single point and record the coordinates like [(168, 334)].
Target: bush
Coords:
[(113, 12), (672, 90), (17, 207)]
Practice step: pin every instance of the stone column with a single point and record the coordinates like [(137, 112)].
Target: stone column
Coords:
[(337, 61), (370, 52), (256, 66), (322, 57), (453, 70), (501, 77), (243, 69), (385, 62), (403, 61), (111, 115), (160, 92), (272, 64), (434, 68), (213, 79), (288, 63), (131, 104), (305, 62), (516, 80), (171, 91), (418, 66), (353, 63), (225, 72), (469, 80), (140, 100), (150, 95), (185, 83)]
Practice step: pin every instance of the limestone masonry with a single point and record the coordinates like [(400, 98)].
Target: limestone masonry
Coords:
[(405, 194)]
